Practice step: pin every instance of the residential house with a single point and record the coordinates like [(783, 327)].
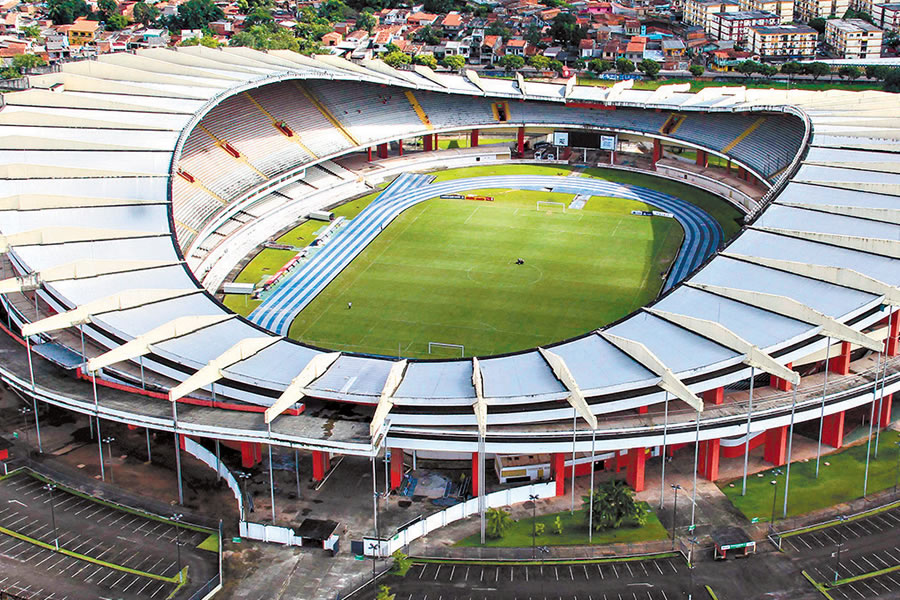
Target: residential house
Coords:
[(517, 47), (853, 38), (82, 31), (735, 26), (699, 12), (421, 19), (452, 23), (332, 38), (490, 50), (783, 42)]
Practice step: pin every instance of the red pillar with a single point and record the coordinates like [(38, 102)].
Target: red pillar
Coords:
[(559, 472), (702, 160), (520, 140), (382, 150), (634, 474), (251, 454), (369, 153), (886, 404), (782, 385), (473, 138), (427, 140), (399, 147), (715, 396), (642, 410), (840, 364), (892, 342), (321, 464), (657, 151), (833, 430), (709, 459), (180, 441), (396, 467), (474, 473), (434, 142), (776, 445)]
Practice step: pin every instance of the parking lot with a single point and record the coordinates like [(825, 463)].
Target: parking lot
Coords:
[(122, 539), (660, 579)]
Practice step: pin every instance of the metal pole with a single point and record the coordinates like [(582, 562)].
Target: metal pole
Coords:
[(747, 442), (176, 518), (81, 331), (696, 463), (574, 426), (109, 440), (177, 452), (271, 480), (374, 498), (37, 421), (787, 475), (143, 382), (883, 360), (218, 462), (822, 416), (774, 502), (591, 492), (49, 487), (869, 443), (100, 451), (91, 425), (481, 503), (675, 488), (662, 478), (150, 456), (297, 471)]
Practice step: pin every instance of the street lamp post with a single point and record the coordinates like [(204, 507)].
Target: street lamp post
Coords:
[(534, 498), (50, 487), (840, 543), (675, 487), (24, 411), (176, 518), (108, 441), (243, 476), (897, 477), (374, 548), (774, 483)]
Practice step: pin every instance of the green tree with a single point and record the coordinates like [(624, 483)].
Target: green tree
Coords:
[(891, 39), (877, 71), (32, 31), (402, 562), (557, 66), (539, 62), (497, 522), (792, 68), (748, 67), (438, 6), (116, 23), (539, 530), (106, 8), (533, 34), (579, 64), (426, 60), (613, 504), (767, 71), (334, 11), (892, 80), (565, 29), (366, 20), (454, 62), (21, 63), (850, 72), (427, 35), (624, 66), (697, 70), (817, 69), (557, 525), (497, 28), (144, 13), (396, 58), (260, 16), (818, 24), (64, 12), (384, 593), (598, 65), (649, 67), (196, 14), (511, 62)]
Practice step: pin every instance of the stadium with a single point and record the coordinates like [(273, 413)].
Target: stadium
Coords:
[(136, 184)]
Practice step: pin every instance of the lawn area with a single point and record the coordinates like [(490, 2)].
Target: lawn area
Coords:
[(464, 172), (269, 260), (841, 480), (712, 159), (723, 212), (696, 85), (575, 532), (444, 271), (446, 142)]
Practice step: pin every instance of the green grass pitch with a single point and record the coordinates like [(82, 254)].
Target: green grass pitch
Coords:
[(444, 270)]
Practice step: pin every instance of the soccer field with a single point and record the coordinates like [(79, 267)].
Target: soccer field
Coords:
[(444, 271)]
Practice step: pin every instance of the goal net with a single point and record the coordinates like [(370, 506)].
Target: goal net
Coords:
[(445, 349), (551, 206)]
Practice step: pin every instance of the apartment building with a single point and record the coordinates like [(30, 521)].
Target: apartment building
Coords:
[(783, 42), (887, 16), (699, 12), (735, 26), (853, 38), (783, 8), (804, 10)]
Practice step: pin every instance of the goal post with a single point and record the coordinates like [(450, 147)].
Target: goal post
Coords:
[(438, 345), (547, 205)]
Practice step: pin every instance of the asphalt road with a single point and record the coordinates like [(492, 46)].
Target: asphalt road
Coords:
[(93, 530)]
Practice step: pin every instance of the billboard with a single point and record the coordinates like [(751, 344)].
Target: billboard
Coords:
[(560, 138), (607, 142)]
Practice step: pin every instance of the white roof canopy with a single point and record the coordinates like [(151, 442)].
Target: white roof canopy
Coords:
[(78, 270), (212, 372), (386, 400), (314, 369), (61, 235), (575, 398)]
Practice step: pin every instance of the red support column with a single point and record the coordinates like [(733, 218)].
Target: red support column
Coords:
[(474, 473), (728, 166), (775, 451), (892, 342), (642, 410), (886, 405), (399, 147), (833, 430), (427, 141), (434, 142), (382, 150), (634, 474), (396, 467), (715, 396), (369, 153), (473, 138), (840, 364), (782, 385), (520, 140), (657, 151), (702, 160), (559, 472), (180, 441), (709, 459), (321, 464), (249, 454), (618, 461)]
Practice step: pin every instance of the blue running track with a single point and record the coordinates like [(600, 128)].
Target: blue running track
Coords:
[(702, 234)]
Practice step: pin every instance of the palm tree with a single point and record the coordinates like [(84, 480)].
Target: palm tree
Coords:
[(498, 521), (613, 505)]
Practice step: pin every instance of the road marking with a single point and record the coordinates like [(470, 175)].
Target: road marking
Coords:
[(14, 501), (438, 570), (658, 568)]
